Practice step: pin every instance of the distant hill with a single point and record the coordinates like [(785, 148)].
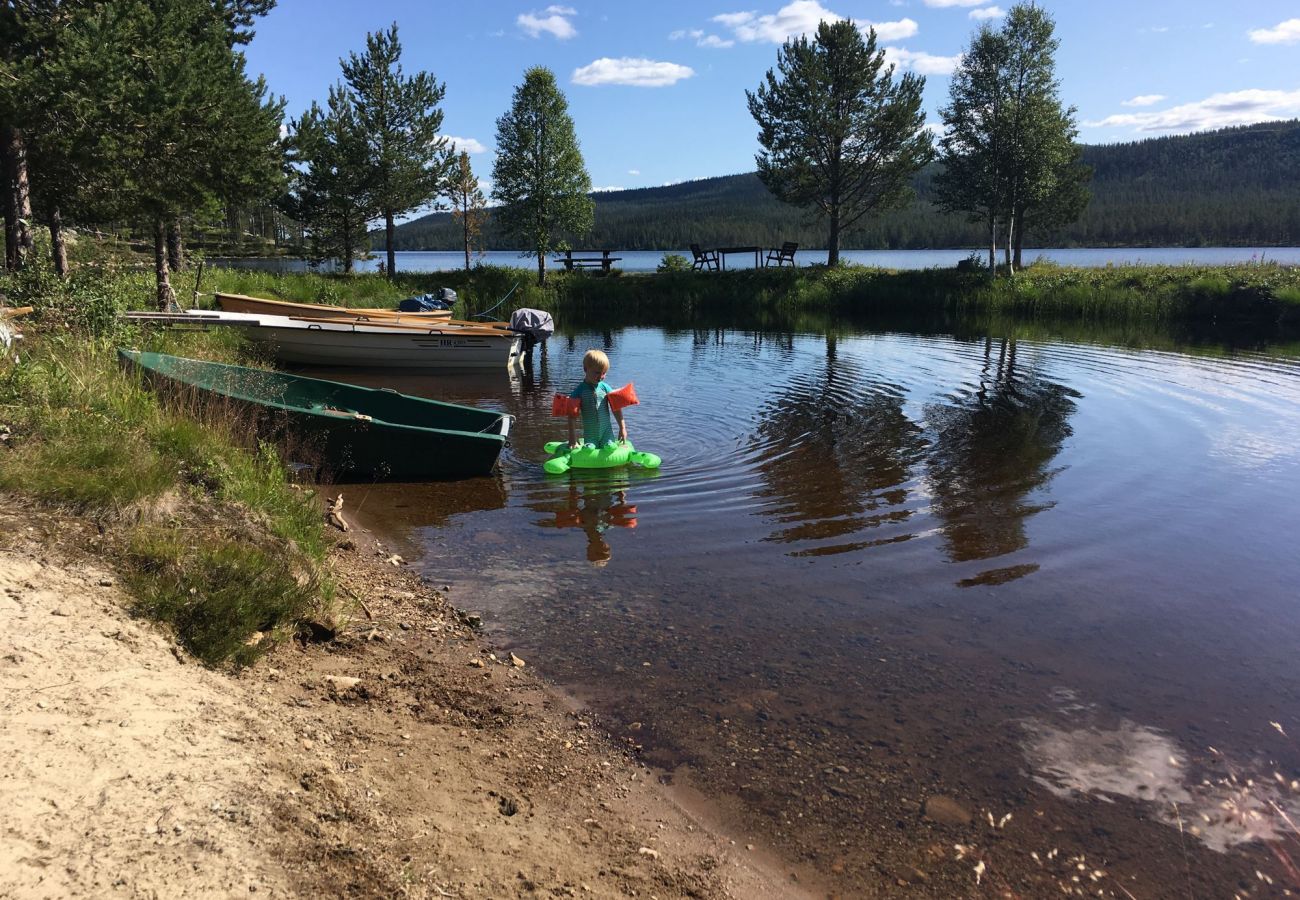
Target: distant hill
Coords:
[(1234, 187)]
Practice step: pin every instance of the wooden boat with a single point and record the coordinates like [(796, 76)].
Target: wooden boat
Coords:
[(261, 306), (356, 433), (399, 345)]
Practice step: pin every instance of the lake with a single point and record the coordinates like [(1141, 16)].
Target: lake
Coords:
[(964, 610), (647, 260)]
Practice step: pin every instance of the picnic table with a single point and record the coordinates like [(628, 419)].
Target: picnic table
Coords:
[(603, 262), (723, 251)]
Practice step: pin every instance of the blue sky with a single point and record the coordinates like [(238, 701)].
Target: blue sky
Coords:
[(656, 90)]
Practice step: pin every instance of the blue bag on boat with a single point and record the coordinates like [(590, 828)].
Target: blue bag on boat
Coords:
[(444, 299)]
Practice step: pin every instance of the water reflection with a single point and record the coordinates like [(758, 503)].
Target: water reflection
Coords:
[(992, 448), (595, 502), (834, 450), (785, 618)]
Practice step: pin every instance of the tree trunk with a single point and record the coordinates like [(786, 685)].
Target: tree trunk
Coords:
[(388, 236), (993, 244), (541, 270), (465, 223), (1011, 229), (833, 248), (1020, 237), (58, 249), (175, 247), (347, 251), (18, 201), (7, 200), (166, 296)]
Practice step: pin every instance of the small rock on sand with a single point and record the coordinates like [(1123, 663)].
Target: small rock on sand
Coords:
[(946, 811)]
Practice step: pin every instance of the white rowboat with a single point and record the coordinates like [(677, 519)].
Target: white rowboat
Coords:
[(324, 342)]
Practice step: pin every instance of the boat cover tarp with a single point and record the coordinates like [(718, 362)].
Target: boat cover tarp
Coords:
[(445, 298), (535, 322)]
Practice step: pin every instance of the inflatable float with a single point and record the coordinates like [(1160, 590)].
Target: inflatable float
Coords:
[(588, 456), (611, 456)]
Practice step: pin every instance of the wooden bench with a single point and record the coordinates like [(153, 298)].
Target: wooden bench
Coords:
[(603, 262)]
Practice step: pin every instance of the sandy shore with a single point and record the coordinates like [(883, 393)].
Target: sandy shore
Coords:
[(402, 758)]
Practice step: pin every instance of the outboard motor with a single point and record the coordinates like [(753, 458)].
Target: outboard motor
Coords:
[(535, 325)]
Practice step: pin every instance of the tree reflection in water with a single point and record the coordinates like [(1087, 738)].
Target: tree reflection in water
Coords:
[(992, 448), (834, 449)]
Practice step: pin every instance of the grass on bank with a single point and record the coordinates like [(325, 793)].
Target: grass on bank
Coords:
[(1266, 295), (210, 535)]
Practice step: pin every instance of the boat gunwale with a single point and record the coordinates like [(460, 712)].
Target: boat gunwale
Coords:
[(360, 313), (133, 356)]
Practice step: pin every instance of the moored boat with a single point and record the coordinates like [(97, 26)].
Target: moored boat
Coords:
[(355, 433), (240, 303), (337, 342)]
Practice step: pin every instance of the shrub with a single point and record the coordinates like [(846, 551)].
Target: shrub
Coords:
[(673, 262)]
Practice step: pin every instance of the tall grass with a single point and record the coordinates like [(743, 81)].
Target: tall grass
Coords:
[(212, 537), (1262, 295)]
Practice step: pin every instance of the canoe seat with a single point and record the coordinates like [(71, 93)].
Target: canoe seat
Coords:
[(334, 410)]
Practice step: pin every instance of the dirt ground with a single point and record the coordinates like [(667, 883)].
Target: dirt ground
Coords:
[(401, 758)]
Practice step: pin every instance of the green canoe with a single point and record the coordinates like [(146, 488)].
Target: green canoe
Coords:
[(350, 433)]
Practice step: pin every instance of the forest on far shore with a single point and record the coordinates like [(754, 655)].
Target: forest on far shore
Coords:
[(1234, 187)]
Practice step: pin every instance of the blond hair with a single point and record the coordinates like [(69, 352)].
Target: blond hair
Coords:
[(595, 359)]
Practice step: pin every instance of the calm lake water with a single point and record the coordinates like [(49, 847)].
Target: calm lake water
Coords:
[(1051, 580), (647, 260)]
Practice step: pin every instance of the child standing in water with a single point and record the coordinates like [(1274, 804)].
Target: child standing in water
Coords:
[(592, 392)]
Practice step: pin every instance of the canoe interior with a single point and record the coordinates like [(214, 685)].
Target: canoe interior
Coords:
[(345, 431)]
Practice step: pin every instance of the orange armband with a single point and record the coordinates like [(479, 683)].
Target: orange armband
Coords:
[(623, 397), (565, 406)]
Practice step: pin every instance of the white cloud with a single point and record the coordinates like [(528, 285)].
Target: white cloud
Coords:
[(944, 4), (892, 31), (1218, 111), (553, 20), (612, 187), (1144, 100), (1287, 32), (701, 39), (731, 20), (799, 17), (990, 12), (921, 62), (634, 171), (469, 145), (630, 71)]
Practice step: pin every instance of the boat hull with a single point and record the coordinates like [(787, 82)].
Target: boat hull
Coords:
[(344, 432), (386, 349)]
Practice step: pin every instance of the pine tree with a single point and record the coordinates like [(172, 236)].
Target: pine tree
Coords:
[(331, 193), (1009, 151), (1048, 184), (539, 176), (410, 163), (839, 136), (976, 131), (194, 129), (468, 206)]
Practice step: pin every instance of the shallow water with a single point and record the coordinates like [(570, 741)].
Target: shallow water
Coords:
[(1039, 578)]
